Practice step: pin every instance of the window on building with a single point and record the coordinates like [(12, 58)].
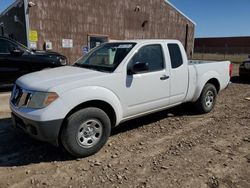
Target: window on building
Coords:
[(94, 41), (175, 55), (151, 54)]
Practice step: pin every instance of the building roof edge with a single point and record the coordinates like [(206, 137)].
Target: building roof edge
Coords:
[(15, 3), (180, 11)]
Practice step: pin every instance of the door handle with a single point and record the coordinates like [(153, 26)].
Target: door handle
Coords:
[(164, 77)]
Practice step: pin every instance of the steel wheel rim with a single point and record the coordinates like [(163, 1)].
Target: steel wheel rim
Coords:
[(209, 99), (89, 133)]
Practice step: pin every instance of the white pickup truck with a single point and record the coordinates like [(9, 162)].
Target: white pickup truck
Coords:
[(115, 82)]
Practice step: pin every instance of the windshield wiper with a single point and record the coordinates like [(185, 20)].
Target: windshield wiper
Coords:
[(92, 67)]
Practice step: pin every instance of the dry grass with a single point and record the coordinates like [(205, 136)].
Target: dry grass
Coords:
[(236, 58)]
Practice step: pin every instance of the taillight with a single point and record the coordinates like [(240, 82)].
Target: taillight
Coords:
[(230, 70)]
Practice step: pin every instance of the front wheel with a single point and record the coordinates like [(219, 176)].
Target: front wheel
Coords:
[(207, 99), (86, 132)]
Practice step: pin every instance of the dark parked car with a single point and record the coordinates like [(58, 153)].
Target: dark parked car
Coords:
[(244, 70), (17, 60)]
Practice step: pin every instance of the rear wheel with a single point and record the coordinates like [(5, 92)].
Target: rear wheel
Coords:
[(86, 132), (207, 99)]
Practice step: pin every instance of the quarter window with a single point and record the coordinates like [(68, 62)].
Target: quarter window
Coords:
[(151, 54), (175, 55)]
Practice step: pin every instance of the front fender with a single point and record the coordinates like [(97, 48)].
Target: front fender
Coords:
[(78, 96)]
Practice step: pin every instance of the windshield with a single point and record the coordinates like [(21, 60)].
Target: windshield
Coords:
[(106, 57), (21, 46)]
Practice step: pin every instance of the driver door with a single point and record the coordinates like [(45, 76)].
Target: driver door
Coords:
[(149, 90)]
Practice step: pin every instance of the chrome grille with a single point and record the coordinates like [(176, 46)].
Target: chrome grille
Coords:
[(20, 97)]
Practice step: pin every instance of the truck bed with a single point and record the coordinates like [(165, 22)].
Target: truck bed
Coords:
[(200, 71), (193, 62)]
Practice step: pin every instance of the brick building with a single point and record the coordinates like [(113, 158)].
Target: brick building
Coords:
[(72, 27)]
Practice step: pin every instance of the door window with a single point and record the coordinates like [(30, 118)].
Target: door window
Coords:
[(175, 55), (1, 30), (150, 54), (3, 47), (6, 46)]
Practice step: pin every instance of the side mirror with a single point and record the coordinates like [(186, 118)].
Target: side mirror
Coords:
[(16, 52), (138, 67)]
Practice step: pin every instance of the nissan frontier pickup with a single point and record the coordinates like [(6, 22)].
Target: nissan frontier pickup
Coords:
[(78, 105)]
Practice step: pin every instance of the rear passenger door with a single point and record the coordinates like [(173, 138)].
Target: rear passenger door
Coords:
[(147, 91), (179, 73)]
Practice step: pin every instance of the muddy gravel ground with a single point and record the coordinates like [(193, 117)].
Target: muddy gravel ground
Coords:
[(173, 148)]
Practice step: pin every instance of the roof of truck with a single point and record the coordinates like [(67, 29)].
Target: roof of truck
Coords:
[(139, 41)]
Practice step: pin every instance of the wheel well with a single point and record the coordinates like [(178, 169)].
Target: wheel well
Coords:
[(106, 107), (215, 82)]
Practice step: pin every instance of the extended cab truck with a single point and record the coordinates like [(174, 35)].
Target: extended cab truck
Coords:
[(78, 105)]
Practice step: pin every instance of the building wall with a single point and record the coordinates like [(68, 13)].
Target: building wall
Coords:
[(117, 19), (13, 23), (224, 45)]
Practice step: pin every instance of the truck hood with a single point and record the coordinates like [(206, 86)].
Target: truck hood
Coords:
[(46, 80)]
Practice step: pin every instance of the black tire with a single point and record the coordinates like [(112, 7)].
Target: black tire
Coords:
[(207, 99), (86, 132)]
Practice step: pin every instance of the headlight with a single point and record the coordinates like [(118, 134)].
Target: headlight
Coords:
[(63, 61), (40, 100), (31, 99)]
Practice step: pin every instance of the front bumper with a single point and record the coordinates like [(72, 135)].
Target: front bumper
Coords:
[(47, 131)]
